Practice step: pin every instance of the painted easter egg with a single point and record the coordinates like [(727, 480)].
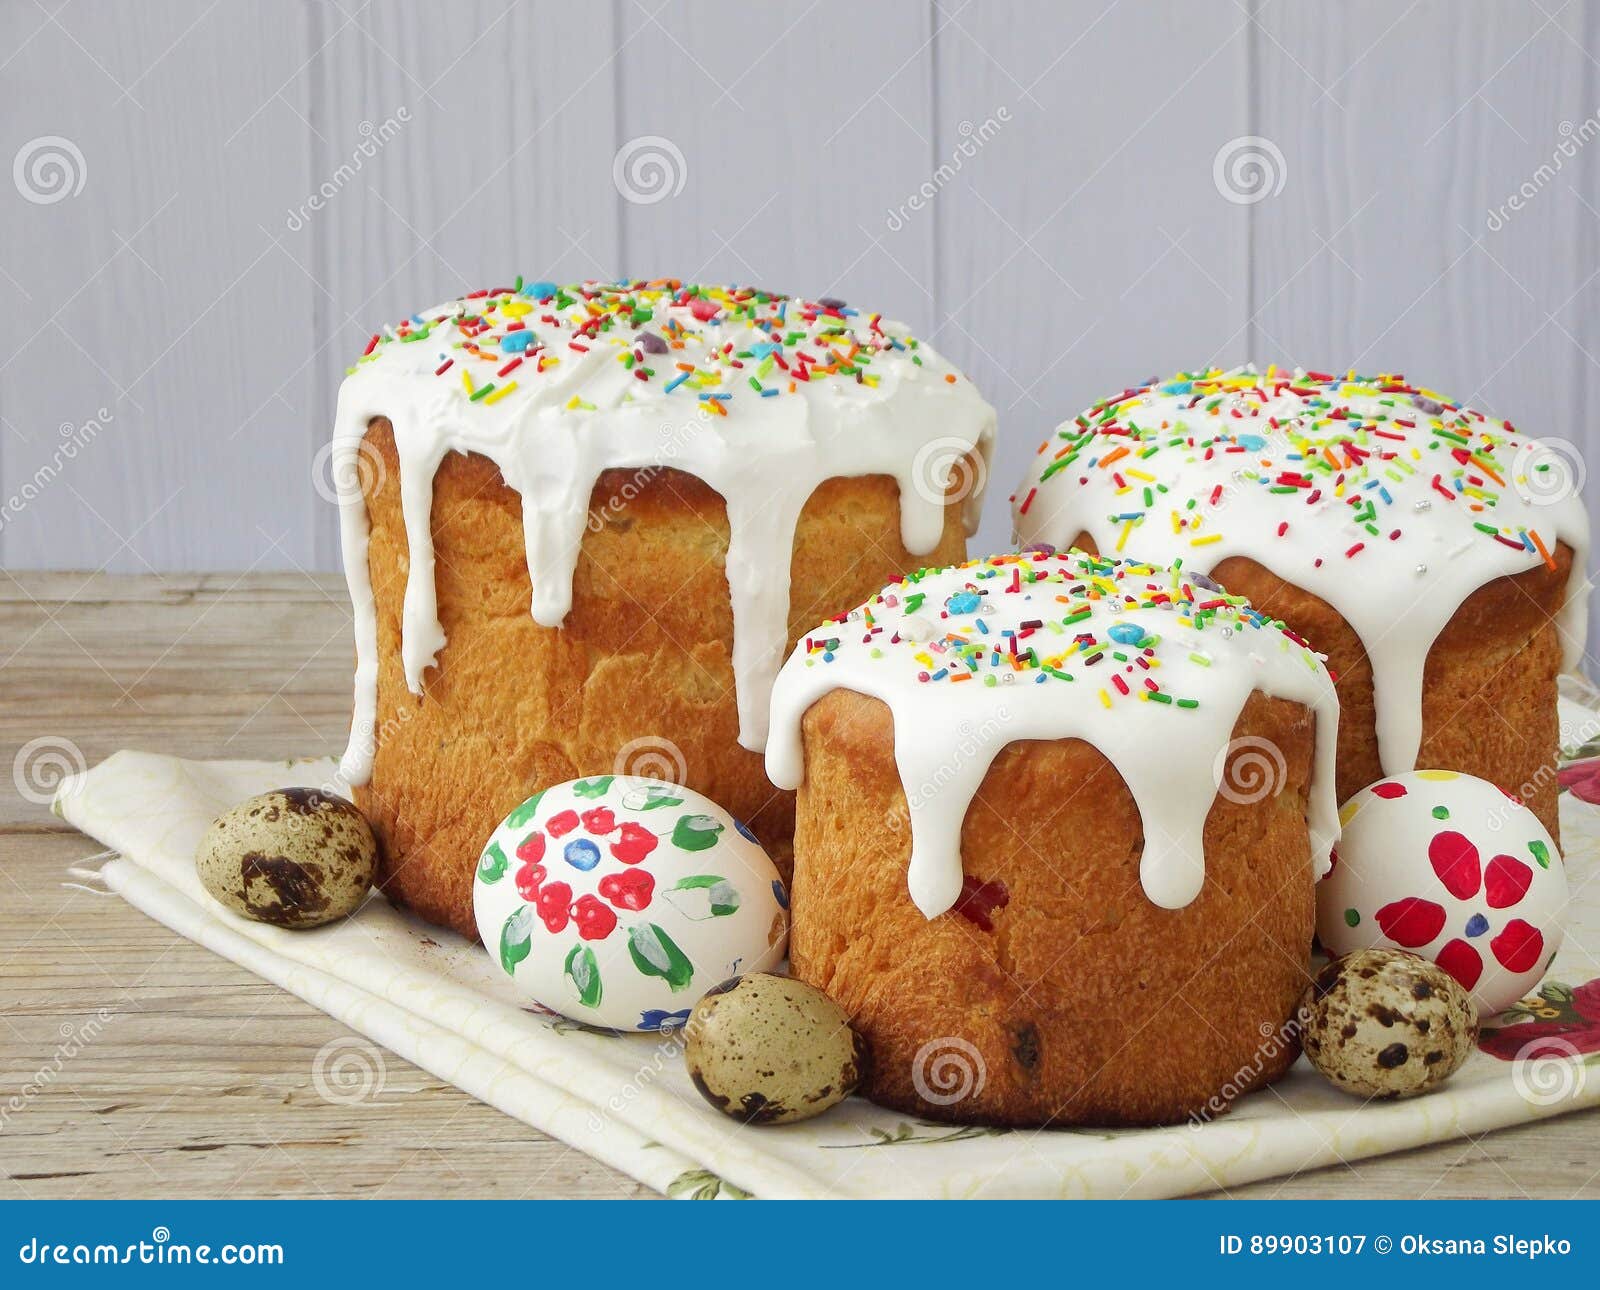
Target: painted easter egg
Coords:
[(1449, 867), (618, 900)]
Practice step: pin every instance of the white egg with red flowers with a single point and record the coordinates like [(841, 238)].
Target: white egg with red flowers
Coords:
[(619, 900), (1453, 869)]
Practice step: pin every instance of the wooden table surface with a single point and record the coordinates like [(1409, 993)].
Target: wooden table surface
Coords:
[(199, 1081)]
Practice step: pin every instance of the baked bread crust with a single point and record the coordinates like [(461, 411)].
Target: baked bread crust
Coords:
[(1488, 692), (643, 655), (1086, 1003)]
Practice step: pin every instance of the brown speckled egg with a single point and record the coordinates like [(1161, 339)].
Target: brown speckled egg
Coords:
[(768, 1049), (1382, 1023), (295, 857)]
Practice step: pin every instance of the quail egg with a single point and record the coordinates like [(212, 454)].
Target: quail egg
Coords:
[(294, 857), (768, 1049), (1383, 1023)]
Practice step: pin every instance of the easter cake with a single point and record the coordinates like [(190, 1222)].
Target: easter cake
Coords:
[(1059, 823), (582, 526), (1433, 554)]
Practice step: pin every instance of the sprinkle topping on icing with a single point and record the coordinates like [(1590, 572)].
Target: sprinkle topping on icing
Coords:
[(1045, 618), (1314, 440), (1150, 665), (1388, 500), (719, 345), (557, 385)]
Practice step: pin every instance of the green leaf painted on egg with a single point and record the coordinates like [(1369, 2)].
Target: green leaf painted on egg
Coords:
[(592, 788), (655, 954), (695, 832), (492, 864), (722, 897), (1541, 853), (656, 795), (724, 900), (584, 973), (516, 938), (524, 813)]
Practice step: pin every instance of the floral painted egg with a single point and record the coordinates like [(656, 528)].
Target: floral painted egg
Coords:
[(1449, 867), (618, 901)]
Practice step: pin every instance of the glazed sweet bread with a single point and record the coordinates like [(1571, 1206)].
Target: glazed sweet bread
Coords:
[(1434, 555), (1059, 822), (582, 526)]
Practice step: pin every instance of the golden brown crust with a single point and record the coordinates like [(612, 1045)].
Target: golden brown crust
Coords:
[(1086, 1003), (645, 653), (1489, 689)]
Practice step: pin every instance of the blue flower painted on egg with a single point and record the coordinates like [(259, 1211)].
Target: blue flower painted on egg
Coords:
[(656, 1019), (581, 853)]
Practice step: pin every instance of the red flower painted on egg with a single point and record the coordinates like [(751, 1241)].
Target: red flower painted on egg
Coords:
[(1413, 922), (630, 889)]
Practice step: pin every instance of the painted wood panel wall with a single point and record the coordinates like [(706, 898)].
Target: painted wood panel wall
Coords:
[(213, 204)]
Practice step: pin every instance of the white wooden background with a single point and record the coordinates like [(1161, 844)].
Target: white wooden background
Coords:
[(173, 319)]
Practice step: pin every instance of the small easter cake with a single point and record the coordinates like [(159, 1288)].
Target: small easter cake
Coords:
[(583, 525), (1059, 823), (1433, 554)]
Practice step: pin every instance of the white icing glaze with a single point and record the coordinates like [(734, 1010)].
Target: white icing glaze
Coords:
[(1223, 441), (907, 646), (851, 394)]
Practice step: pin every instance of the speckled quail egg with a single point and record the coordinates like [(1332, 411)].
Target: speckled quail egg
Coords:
[(1384, 1023), (768, 1049), (294, 857)]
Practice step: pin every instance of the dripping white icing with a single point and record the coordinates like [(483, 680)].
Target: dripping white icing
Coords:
[(1224, 440), (904, 646), (867, 399)]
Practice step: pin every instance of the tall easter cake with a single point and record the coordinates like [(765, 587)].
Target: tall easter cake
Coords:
[(583, 524), (1433, 554), (1059, 824)]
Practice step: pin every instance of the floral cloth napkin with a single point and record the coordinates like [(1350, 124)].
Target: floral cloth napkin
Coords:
[(440, 1003)]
